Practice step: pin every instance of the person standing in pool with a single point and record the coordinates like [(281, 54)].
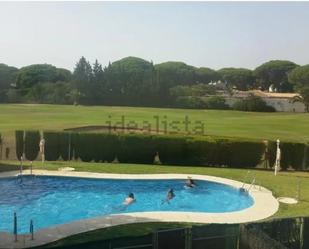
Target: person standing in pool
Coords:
[(129, 200), (190, 183)]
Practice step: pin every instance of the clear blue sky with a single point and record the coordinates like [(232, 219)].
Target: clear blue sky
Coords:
[(210, 34)]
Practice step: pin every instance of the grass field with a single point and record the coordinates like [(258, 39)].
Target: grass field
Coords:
[(286, 126)]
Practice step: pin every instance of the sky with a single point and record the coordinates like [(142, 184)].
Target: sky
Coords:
[(202, 34)]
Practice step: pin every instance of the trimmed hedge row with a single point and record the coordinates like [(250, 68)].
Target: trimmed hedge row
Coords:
[(174, 150)]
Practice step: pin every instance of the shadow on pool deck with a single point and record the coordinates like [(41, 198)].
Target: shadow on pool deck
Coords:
[(51, 235)]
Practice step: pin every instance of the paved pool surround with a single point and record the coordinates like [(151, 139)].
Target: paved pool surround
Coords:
[(265, 205)]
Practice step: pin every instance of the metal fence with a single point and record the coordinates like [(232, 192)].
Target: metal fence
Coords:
[(290, 233)]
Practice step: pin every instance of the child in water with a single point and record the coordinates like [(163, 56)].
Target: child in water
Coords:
[(129, 200)]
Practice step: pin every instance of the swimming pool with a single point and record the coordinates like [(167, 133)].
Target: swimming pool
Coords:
[(54, 200)]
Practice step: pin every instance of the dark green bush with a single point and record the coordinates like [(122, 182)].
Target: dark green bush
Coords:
[(191, 102), (253, 104), (215, 102), (65, 148), (32, 140), (52, 148), (19, 143), (292, 154), (173, 150)]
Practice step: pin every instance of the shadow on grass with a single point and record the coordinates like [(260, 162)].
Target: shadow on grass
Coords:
[(9, 167)]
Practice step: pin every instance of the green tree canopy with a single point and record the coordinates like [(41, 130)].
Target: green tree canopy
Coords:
[(300, 78), (175, 73), (240, 78), (205, 75), (7, 76), (130, 80), (275, 73), (39, 73)]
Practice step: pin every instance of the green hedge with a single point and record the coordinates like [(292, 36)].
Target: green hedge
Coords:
[(52, 148), (173, 150), (32, 140), (19, 144), (293, 155)]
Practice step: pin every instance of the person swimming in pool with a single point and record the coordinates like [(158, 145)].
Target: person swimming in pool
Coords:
[(170, 195), (190, 183), (129, 200)]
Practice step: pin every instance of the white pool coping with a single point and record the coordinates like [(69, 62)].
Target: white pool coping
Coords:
[(265, 205)]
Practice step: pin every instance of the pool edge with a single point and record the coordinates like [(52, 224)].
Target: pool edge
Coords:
[(262, 198)]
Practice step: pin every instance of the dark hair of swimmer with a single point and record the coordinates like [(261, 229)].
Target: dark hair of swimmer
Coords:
[(131, 195)]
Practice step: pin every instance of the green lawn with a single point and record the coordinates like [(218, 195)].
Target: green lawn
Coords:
[(286, 126)]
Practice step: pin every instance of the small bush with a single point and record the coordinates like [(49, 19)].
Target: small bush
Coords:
[(216, 102), (253, 104)]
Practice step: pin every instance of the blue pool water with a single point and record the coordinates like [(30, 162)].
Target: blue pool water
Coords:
[(50, 201)]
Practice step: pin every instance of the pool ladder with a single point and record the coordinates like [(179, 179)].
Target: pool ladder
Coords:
[(252, 180), (15, 228)]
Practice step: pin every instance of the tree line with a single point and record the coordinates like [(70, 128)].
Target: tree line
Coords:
[(136, 82)]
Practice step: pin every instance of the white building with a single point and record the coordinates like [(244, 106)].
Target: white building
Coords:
[(282, 102)]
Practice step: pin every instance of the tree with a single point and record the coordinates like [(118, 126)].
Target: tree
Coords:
[(82, 79), (300, 78), (196, 90), (32, 75), (240, 78), (130, 81), (7, 75), (252, 104), (7, 78), (206, 75), (275, 73)]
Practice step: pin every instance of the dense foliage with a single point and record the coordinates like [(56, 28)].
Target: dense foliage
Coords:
[(133, 81), (300, 78), (7, 77), (100, 147), (252, 104), (239, 78), (173, 150), (275, 73), (19, 142), (32, 140)]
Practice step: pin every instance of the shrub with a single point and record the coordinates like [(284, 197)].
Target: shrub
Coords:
[(190, 102), (253, 104), (292, 154), (32, 140), (216, 102), (173, 150), (19, 143), (52, 152), (64, 143)]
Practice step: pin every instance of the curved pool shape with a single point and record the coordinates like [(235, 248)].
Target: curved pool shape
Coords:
[(50, 201)]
